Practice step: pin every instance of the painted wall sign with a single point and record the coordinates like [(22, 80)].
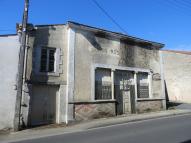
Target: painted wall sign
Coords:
[(109, 51), (156, 76)]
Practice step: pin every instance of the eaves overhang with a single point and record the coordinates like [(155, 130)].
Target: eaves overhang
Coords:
[(120, 36)]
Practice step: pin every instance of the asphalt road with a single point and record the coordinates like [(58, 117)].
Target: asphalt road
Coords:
[(175, 129)]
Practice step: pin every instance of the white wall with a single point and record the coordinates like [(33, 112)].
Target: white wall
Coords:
[(9, 55), (177, 74)]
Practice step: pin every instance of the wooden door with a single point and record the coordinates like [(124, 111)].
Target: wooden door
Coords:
[(124, 92), (43, 104)]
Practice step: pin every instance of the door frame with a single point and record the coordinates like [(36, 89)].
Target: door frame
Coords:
[(57, 104), (123, 90)]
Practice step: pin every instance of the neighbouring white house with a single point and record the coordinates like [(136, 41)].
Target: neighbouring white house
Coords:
[(9, 56)]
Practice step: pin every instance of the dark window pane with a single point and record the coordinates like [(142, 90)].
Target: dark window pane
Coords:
[(142, 85), (143, 91), (102, 90), (51, 60), (103, 86), (43, 60)]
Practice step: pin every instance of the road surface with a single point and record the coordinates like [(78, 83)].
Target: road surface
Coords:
[(176, 129)]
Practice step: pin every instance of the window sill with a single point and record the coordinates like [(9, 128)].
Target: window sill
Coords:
[(150, 99), (94, 102), (105, 100), (47, 74)]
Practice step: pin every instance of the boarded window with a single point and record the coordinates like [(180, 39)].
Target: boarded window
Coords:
[(142, 85), (103, 84), (47, 63)]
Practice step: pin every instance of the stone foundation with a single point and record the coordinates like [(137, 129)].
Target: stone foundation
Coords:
[(88, 111), (94, 110), (149, 105)]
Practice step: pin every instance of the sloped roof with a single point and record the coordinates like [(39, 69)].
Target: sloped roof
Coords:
[(6, 35), (116, 34)]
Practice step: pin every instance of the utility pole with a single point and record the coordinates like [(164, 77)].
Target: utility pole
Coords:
[(21, 68)]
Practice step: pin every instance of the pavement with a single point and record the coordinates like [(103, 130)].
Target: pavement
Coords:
[(37, 133), (172, 129), (186, 106)]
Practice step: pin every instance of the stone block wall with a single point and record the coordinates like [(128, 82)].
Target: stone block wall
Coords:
[(87, 111), (148, 106)]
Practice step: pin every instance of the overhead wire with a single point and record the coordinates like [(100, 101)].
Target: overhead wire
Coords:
[(182, 3), (109, 16), (180, 8), (188, 2)]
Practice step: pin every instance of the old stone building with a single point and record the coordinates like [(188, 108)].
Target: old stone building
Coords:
[(78, 72)]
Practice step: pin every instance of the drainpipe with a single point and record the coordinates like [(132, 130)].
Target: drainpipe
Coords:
[(21, 68), (70, 73), (162, 79), (67, 86)]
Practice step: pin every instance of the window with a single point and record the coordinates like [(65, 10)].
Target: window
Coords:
[(103, 84), (142, 85), (47, 63)]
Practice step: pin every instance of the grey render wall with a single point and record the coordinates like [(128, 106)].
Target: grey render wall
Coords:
[(177, 74), (54, 36), (48, 36), (89, 50), (146, 57), (93, 49), (9, 55)]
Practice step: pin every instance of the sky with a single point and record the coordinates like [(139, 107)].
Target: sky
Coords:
[(164, 21)]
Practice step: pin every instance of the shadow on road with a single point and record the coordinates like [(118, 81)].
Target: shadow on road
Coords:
[(188, 141)]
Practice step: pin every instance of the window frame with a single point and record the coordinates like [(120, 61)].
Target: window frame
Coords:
[(95, 98), (48, 60), (37, 61), (149, 84), (113, 68)]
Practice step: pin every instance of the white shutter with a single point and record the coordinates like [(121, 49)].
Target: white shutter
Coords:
[(58, 61)]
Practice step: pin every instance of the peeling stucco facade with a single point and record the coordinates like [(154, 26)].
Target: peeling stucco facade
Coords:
[(84, 57), (99, 49), (54, 37)]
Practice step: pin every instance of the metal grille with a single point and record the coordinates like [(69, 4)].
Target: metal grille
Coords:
[(102, 90), (142, 91)]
